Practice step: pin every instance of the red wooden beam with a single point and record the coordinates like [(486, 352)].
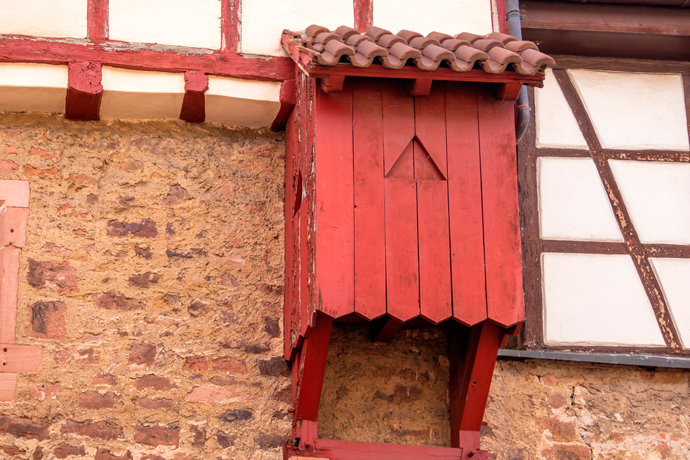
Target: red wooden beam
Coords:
[(194, 104), (229, 25), (146, 57), (419, 87), (508, 91), (287, 104), (332, 83), (364, 14), (97, 20), (312, 365), (84, 91), (348, 450)]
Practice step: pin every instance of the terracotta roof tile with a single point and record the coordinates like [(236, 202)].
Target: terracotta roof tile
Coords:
[(494, 53)]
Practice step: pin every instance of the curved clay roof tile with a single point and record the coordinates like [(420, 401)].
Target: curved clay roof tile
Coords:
[(468, 36), (346, 32), (537, 58), (325, 37), (408, 35), (485, 44), (439, 36), (314, 30), (426, 63), (469, 54), (454, 44), (389, 40), (355, 40), (503, 56), (371, 50), (334, 51), (520, 46), (422, 42), (437, 53), (377, 32), (404, 52), (503, 38)]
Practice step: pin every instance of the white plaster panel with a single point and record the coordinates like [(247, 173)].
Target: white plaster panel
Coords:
[(32, 87), (594, 299), (44, 18), (657, 195), (673, 275), (143, 95), (448, 16), (263, 21), (556, 124), (572, 201), (234, 102), (635, 110), (194, 23)]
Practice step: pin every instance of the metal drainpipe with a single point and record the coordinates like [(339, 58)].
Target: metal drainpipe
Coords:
[(522, 104)]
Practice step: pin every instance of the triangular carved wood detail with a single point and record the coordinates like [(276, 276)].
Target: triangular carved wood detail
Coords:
[(415, 163)]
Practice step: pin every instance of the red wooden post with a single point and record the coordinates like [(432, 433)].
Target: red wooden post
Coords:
[(97, 20), (84, 91), (194, 102)]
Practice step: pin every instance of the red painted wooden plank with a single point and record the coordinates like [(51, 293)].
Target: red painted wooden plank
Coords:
[(334, 210), (13, 230), (398, 124), (502, 255), (84, 91), (229, 24), (142, 57), (430, 126), (9, 261), (465, 204), (370, 234), (8, 385), (364, 14), (472, 358), (347, 450), (306, 122), (194, 102), (289, 304), (97, 20), (312, 367), (20, 358)]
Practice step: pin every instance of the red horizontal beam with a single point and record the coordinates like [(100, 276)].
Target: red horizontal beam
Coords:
[(413, 73), (146, 57), (348, 450)]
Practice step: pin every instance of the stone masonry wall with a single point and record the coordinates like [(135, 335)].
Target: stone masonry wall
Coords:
[(152, 277)]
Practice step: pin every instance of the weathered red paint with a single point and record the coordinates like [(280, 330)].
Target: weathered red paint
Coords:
[(229, 24), (194, 103), (145, 57), (312, 364), (364, 14), (84, 91), (287, 104), (97, 20)]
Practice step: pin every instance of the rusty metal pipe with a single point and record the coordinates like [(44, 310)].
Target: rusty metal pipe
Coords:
[(522, 104)]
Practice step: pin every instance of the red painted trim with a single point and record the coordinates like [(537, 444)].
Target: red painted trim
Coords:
[(364, 14), (146, 57), (287, 104), (194, 104), (230, 25), (97, 20), (84, 91), (348, 450), (501, 13)]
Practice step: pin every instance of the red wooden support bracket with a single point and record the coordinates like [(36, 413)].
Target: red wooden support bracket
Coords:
[(473, 354), (508, 91), (97, 20), (84, 91), (312, 364), (194, 103), (384, 329), (306, 433), (287, 104), (332, 83), (419, 87)]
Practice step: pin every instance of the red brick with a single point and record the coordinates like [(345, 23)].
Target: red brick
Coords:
[(235, 415), (271, 326), (132, 165), (560, 431), (567, 452), (42, 392), (12, 450), (197, 309), (198, 363), (65, 450), (557, 400), (270, 441), (8, 166), (47, 320), (207, 393), (94, 400), (104, 379), (175, 195), (157, 435), (22, 428), (225, 440), (115, 301), (143, 353), (198, 436), (153, 381), (38, 453), (44, 153), (104, 454), (81, 179), (42, 173), (97, 430), (145, 280), (145, 228), (276, 367), (148, 403), (11, 150), (44, 274)]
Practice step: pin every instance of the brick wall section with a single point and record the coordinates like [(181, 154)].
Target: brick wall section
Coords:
[(152, 277), (537, 410)]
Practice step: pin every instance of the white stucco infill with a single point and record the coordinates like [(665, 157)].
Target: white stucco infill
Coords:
[(447, 16), (44, 18), (596, 300), (192, 23), (33, 87), (572, 201), (635, 110), (234, 102), (555, 122), (673, 277), (657, 195), (263, 21), (142, 95)]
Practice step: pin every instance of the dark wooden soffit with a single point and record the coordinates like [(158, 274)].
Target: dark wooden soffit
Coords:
[(621, 31)]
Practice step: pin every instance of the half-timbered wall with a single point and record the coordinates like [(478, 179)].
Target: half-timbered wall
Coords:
[(606, 209)]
